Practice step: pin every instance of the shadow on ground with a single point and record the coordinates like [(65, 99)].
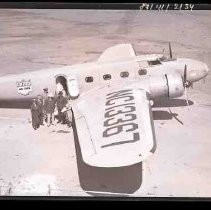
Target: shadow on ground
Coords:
[(105, 181), (163, 115), (171, 103), (16, 104), (26, 104)]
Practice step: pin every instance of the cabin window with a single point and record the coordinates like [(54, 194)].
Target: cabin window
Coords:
[(124, 74), (89, 79), (106, 76), (142, 71), (154, 62)]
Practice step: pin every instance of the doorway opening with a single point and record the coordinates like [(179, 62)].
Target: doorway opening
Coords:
[(63, 81)]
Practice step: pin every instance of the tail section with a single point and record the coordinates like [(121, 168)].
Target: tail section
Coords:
[(117, 52)]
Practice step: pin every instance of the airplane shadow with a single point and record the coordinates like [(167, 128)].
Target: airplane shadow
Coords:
[(16, 104), (163, 115), (171, 102), (105, 181), (26, 104)]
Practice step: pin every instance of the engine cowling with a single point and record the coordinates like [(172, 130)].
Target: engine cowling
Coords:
[(168, 85)]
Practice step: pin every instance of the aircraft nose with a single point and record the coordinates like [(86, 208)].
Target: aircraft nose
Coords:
[(199, 73), (203, 72), (206, 70)]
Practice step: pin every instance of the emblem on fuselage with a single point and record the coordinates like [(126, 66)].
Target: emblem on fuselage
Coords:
[(24, 87)]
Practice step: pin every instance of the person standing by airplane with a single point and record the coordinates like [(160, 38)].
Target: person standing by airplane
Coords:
[(61, 102), (40, 109), (60, 88), (67, 110), (35, 114), (49, 108), (44, 98)]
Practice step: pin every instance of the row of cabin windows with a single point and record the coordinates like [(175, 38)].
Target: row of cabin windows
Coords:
[(123, 74)]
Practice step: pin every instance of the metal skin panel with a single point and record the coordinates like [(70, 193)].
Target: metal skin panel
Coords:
[(114, 126)]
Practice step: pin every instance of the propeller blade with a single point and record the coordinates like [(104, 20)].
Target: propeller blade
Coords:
[(186, 85), (186, 97), (185, 74), (170, 51)]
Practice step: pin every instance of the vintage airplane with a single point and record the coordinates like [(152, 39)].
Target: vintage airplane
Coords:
[(112, 99)]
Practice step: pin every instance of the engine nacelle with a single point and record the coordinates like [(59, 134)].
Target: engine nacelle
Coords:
[(175, 85), (169, 86)]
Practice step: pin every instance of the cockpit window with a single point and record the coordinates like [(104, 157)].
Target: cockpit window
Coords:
[(124, 74), (89, 79), (106, 76), (154, 62)]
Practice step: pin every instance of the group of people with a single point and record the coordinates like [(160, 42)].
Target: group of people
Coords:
[(47, 107)]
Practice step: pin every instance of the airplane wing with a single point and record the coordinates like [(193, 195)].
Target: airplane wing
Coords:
[(114, 126), (117, 52)]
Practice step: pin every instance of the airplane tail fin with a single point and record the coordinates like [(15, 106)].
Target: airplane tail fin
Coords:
[(117, 52)]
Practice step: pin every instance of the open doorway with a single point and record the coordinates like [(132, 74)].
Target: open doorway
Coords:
[(63, 81)]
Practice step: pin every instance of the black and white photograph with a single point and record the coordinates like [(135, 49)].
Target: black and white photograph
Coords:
[(105, 102)]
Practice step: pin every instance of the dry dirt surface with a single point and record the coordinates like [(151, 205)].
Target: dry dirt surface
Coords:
[(48, 161)]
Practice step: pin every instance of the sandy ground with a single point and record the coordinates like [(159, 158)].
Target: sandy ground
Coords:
[(48, 161)]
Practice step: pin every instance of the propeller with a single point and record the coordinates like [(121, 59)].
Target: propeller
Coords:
[(170, 51), (185, 84), (185, 75), (186, 97)]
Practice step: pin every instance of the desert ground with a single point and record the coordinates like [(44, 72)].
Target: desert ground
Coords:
[(48, 161)]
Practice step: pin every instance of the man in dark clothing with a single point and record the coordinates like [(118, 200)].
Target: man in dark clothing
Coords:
[(44, 98), (61, 103), (40, 109), (35, 115), (49, 108), (67, 110)]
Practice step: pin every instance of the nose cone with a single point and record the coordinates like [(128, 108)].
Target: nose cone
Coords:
[(206, 70), (198, 73), (196, 70)]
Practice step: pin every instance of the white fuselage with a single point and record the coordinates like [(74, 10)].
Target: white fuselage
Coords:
[(91, 75)]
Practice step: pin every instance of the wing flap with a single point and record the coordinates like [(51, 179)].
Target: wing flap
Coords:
[(114, 127)]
